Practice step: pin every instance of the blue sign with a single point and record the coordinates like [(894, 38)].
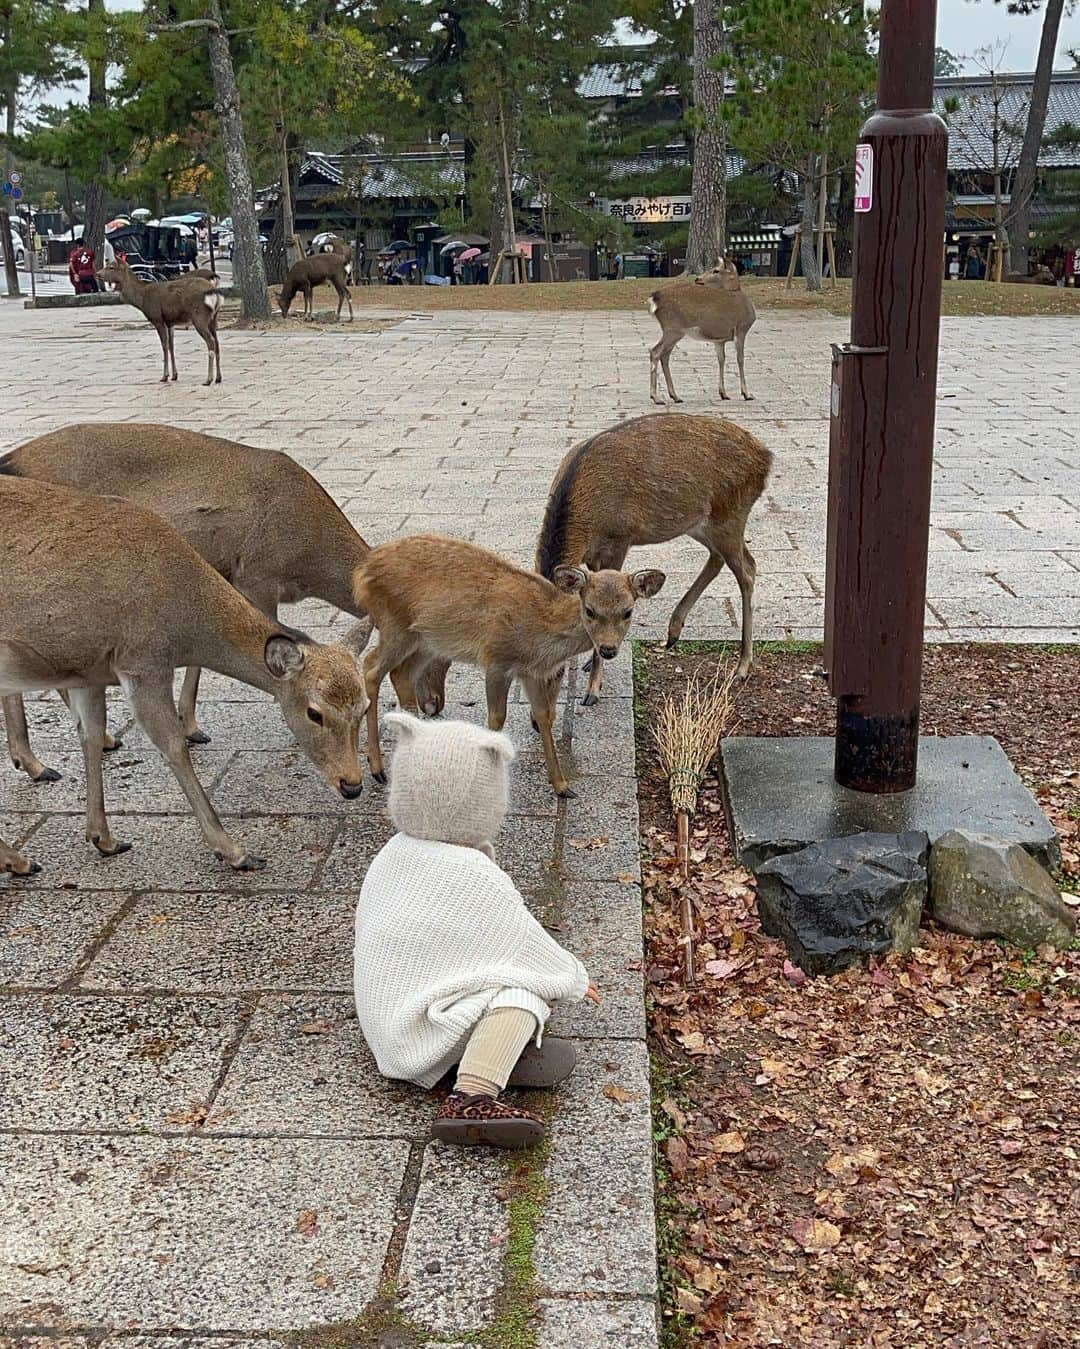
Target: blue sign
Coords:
[(16, 194)]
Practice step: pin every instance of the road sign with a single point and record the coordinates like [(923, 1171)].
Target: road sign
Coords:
[(14, 177), (16, 194)]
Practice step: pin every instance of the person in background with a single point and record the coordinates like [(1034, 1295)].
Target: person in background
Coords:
[(82, 270)]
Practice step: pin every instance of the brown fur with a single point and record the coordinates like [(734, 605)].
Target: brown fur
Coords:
[(255, 515), (652, 479), (98, 591), (308, 273), (343, 250), (436, 600), (713, 309), (190, 299)]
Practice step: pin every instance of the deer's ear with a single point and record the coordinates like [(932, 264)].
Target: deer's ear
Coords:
[(284, 657), (647, 583), (405, 724), (571, 580)]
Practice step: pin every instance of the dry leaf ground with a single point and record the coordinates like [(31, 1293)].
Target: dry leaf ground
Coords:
[(889, 1157)]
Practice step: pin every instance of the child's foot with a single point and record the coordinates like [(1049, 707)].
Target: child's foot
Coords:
[(547, 1066), (471, 1120)]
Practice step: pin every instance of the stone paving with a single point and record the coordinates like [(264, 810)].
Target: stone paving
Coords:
[(193, 1139)]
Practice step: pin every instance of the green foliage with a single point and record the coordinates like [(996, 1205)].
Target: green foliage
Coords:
[(945, 63), (804, 75)]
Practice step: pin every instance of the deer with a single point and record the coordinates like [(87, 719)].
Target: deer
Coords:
[(99, 592), (649, 480), (435, 600), (193, 299), (343, 250), (712, 309), (310, 272), (258, 518)]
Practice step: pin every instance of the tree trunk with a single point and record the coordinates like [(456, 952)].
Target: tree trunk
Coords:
[(1023, 188), (288, 219), (806, 252), (708, 202), (94, 217), (11, 269), (247, 256), (823, 205)]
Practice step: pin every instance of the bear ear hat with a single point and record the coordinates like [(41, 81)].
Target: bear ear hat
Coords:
[(408, 727), (500, 745)]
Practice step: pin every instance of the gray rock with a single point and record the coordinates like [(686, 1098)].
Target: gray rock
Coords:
[(838, 902), (984, 886)]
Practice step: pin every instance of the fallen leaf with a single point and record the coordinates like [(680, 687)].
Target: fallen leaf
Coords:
[(1010, 1147), (721, 969), (616, 1093), (195, 1114), (317, 1027), (323, 1281), (307, 1222), (688, 1303), (816, 1235), (626, 878), (730, 1142), (589, 844), (793, 974)]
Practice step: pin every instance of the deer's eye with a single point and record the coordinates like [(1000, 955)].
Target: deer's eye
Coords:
[(589, 613), (315, 715)]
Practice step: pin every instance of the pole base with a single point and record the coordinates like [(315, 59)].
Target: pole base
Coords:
[(876, 754)]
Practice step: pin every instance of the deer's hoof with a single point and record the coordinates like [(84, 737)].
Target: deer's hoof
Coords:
[(725, 398), (206, 383), (379, 777), (567, 794), (112, 744), (21, 868), (590, 700), (46, 775), (164, 379), (587, 667), (658, 401), (218, 380), (197, 737), (749, 397), (675, 398), (109, 847), (249, 862), (672, 640)]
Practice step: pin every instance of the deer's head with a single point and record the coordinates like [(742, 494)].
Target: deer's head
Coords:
[(607, 601), (320, 691), (724, 276), (115, 273)]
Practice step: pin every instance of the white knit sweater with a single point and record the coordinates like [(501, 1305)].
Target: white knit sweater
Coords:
[(443, 936)]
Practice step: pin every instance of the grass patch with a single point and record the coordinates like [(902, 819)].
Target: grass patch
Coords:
[(512, 1327), (965, 299)]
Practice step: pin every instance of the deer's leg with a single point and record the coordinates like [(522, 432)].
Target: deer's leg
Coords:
[(163, 337), (711, 569), (742, 564), (172, 348), (16, 863), (740, 352), (18, 738), (403, 678), (497, 688), (662, 353), (189, 694), (720, 350), (308, 300), (378, 663), (88, 709), (344, 298), (151, 701), (543, 699), (109, 742), (217, 350)]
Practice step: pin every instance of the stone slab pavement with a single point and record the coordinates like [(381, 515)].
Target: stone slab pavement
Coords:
[(194, 1142)]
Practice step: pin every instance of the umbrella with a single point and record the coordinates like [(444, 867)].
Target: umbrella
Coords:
[(470, 253), (116, 224), (140, 213), (397, 246), (449, 248)]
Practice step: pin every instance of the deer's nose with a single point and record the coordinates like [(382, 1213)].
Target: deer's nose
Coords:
[(609, 652), (349, 790)]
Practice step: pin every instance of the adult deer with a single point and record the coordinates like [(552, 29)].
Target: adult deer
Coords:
[(342, 249), (310, 272), (652, 479), (714, 309), (98, 591), (435, 600), (255, 515), (190, 299)]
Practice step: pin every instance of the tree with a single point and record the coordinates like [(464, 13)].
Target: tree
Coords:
[(1026, 176), (1062, 193), (95, 46), (803, 80), (705, 245), (945, 64), (985, 124)]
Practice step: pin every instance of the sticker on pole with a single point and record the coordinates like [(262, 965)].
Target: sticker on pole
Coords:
[(864, 177)]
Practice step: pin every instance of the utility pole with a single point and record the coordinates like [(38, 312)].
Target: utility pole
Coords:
[(882, 429)]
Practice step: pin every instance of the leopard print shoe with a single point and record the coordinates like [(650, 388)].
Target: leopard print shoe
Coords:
[(472, 1120)]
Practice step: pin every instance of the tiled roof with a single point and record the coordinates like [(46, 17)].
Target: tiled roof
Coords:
[(665, 156), (407, 175), (971, 124)]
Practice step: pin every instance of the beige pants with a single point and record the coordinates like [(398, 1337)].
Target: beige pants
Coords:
[(494, 1047)]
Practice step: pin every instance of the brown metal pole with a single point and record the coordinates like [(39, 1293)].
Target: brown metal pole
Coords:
[(882, 430)]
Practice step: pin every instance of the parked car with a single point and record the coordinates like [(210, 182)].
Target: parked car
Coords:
[(17, 247)]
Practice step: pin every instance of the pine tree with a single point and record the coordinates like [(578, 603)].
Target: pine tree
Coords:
[(803, 78), (708, 198)]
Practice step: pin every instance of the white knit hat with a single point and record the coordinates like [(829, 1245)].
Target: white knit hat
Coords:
[(449, 780)]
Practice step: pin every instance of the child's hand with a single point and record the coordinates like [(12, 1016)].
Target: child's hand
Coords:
[(592, 994)]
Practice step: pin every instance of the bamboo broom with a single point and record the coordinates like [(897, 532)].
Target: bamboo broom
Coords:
[(687, 732)]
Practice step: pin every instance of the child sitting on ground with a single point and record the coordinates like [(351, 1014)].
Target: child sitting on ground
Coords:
[(450, 966)]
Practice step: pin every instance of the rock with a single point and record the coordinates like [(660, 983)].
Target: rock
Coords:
[(841, 901), (984, 886)]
